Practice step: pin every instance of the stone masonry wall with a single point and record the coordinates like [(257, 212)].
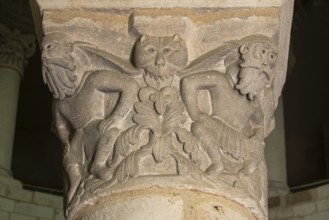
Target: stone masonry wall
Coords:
[(310, 204), (19, 204)]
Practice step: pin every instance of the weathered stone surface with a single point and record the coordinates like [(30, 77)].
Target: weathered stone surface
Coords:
[(4, 215), (19, 194), (48, 200), (166, 204), (21, 217), (6, 204), (304, 209), (104, 4), (33, 210), (171, 98)]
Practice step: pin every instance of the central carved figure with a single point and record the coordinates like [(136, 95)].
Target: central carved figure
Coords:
[(160, 57), (159, 118)]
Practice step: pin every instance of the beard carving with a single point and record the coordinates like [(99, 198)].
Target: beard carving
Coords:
[(58, 68), (251, 82), (258, 61), (59, 77)]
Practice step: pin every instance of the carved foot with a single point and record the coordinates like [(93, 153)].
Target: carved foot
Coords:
[(74, 174), (215, 169), (105, 173), (107, 124)]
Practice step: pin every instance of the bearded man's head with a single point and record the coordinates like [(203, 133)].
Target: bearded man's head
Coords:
[(256, 68), (59, 64)]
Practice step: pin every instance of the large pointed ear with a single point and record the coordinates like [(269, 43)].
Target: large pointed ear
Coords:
[(68, 47), (176, 37), (244, 49), (143, 38)]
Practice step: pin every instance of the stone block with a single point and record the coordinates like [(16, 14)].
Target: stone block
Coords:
[(284, 213), (304, 209), (272, 214), (59, 214), (323, 191), (322, 205), (34, 210), (274, 202), (19, 194), (300, 197), (48, 200), (6, 204), (14, 216), (4, 215), (124, 4), (10, 181), (3, 189), (318, 216)]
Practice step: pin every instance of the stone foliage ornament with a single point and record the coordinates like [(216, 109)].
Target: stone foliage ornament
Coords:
[(154, 119), (15, 48)]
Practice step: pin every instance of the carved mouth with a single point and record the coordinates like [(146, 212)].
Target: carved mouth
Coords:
[(160, 73)]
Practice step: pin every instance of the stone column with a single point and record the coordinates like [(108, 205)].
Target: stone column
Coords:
[(275, 154), (15, 48), (163, 106)]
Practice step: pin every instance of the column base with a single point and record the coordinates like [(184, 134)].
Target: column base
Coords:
[(276, 189), (163, 204)]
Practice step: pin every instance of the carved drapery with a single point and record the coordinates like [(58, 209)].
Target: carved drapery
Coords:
[(140, 108)]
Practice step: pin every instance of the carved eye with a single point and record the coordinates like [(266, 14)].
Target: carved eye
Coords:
[(49, 46), (263, 51), (166, 50), (151, 50), (272, 56)]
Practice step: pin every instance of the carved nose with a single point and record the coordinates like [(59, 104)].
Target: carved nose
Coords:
[(160, 60)]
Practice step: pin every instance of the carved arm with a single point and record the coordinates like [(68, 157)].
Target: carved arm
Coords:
[(200, 81), (61, 125), (109, 81)]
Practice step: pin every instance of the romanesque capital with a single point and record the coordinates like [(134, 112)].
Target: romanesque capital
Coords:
[(163, 107), (15, 49)]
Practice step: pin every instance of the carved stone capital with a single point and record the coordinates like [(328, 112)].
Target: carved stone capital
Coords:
[(156, 105), (15, 49)]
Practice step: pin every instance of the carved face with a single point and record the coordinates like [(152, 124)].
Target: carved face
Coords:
[(160, 56), (258, 62), (58, 65)]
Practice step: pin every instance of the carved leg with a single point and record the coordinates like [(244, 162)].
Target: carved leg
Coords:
[(73, 171), (73, 162), (104, 152), (208, 142)]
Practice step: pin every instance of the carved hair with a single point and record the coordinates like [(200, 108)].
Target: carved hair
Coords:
[(60, 56)]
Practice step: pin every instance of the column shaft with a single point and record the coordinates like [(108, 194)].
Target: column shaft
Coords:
[(9, 89), (275, 153), (15, 48)]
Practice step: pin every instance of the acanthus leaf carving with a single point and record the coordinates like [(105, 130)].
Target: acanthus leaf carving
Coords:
[(128, 119)]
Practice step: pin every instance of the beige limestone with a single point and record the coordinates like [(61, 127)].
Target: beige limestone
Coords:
[(105, 4), (166, 204), (275, 154), (163, 106)]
